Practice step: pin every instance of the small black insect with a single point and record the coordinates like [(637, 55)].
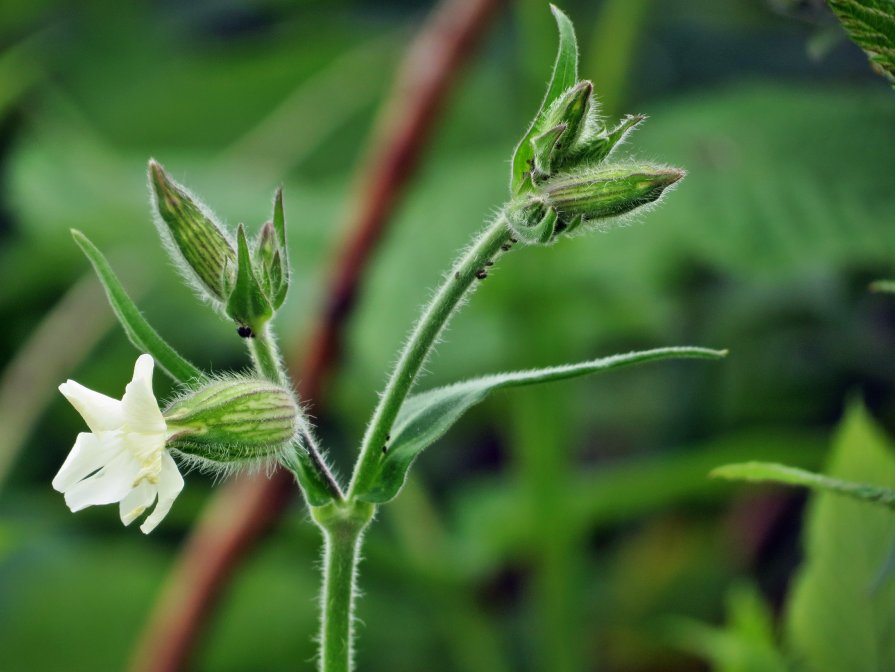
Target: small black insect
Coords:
[(514, 240), (481, 274), (506, 247), (245, 332), (457, 275), (384, 449), (388, 437), (489, 263)]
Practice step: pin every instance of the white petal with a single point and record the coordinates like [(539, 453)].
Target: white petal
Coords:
[(136, 502), (101, 413), (141, 411), (109, 484), (146, 449), (169, 486), (89, 453)]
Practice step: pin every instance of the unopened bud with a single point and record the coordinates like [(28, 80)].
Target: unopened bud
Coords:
[(234, 420), (607, 191), (198, 239), (601, 145), (570, 110)]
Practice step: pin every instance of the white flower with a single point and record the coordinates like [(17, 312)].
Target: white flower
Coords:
[(123, 458)]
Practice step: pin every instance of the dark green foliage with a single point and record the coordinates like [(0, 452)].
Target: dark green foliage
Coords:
[(871, 25)]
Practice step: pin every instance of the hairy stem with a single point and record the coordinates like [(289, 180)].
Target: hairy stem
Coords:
[(343, 528), (472, 267), (266, 356), (268, 363), (241, 512)]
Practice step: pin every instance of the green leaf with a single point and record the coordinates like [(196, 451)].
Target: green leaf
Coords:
[(883, 286), (747, 643), (762, 472), (138, 330), (247, 304), (565, 75), (280, 271), (871, 25), (425, 417), (837, 618)]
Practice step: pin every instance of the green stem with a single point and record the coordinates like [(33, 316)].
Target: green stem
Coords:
[(266, 356), (343, 528), (268, 363), (465, 274)]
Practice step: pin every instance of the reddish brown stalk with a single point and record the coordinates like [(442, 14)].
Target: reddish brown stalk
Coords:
[(243, 510)]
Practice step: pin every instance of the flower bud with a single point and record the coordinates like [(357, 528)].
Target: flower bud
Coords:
[(194, 234), (607, 191), (231, 421), (570, 110), (601, 145)]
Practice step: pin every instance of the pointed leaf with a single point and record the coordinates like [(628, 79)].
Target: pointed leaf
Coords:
[(871, 25), (770, 472), (839, 616), (283, 271), (565, 75), (425, 417), (138, 330), (247, 303)]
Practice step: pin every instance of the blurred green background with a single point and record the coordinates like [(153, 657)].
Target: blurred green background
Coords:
[(767, 248)]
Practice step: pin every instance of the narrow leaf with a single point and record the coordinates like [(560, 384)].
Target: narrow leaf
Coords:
[(883, 286), (247, 304), (281, 271), (138, 330), (871, 25), (770, 472), (565, 75), (425, 417)]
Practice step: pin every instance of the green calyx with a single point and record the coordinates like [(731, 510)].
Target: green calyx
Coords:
[(200, 241), (586, 196), (262, 273), (607, 191), (233, 420), (249, 282)]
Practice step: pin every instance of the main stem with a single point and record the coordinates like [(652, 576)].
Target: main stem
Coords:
[(470, 268), (341, 555)]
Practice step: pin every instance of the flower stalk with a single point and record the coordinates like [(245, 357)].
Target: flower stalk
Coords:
[(470, 269)]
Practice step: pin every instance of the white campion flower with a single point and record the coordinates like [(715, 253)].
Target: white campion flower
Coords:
[(123, 458)]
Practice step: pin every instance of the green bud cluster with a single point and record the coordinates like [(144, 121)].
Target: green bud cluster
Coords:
[(568, 182), (194, 233), (232, 421), (249, 281)]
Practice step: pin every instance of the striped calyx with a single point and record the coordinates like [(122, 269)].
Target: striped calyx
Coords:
[(197, 238), (232, 420)]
